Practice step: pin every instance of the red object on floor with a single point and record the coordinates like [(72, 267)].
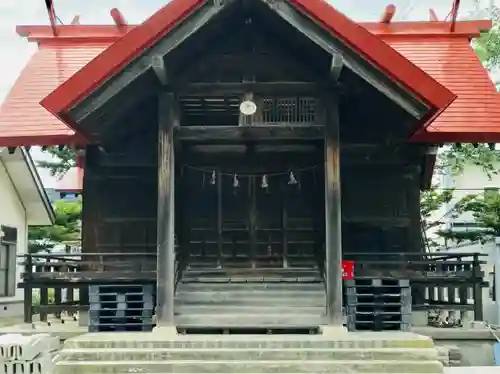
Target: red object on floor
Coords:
[(347, 270)]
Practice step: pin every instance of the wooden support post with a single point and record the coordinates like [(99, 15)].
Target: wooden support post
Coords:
[(167, 120), (333, 231), (58, 300), (252, 220), (477, 291), (220, 233), (44, 292), (284, 221), (28, 290)]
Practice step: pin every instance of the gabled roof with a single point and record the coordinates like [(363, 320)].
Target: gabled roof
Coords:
[(475, 115), (355, 36), (445, 56), (22, 120)]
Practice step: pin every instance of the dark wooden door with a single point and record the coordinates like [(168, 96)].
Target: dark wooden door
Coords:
[(250, 221)]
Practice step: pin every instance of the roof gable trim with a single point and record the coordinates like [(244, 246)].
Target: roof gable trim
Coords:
[(110, 33), (406, 99), (361, 66), (149, 60)]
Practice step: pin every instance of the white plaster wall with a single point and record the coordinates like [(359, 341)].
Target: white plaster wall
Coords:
[(472, 181), (13, 214)]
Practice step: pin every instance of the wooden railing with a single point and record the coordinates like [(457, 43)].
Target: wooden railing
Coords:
[(54, 284), (451, 282), (60, 282)]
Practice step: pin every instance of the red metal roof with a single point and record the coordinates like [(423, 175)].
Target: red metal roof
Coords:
[(120, 53), (22, 120), (446, 57), (475, 114)]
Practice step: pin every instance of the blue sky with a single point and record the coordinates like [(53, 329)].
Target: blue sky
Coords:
[(16, 12)]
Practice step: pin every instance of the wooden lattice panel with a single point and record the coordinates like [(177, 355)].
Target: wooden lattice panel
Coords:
[(289, 110)]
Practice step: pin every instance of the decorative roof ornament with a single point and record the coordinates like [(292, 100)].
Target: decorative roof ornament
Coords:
[(248, 108)]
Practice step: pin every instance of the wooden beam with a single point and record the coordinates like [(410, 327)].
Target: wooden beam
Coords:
[(352, 60), (259, 148), (260, 64), (242, 88), (249, 133), (333, 217), (254, 162), (337, 65), (167, 120), (158, 65), (143, 64)]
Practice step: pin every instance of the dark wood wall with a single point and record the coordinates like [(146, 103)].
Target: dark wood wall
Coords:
[(120, 198), (380, 202), (381, 208)]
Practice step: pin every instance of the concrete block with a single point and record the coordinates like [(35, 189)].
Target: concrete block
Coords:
[(40, 365), (22, 347), (83, 318)]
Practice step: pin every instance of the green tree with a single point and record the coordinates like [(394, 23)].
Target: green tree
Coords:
[(64, 158), (485, 208), (455, 157), (67, 227), (487, 46)]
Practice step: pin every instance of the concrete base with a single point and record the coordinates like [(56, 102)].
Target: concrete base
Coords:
[(83, 319), (167, 332), (419, 319), (333, 332), (339, 352)]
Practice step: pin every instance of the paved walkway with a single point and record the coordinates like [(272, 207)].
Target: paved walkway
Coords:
[(473, 370)]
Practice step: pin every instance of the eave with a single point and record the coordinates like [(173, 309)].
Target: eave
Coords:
[(127, 49)]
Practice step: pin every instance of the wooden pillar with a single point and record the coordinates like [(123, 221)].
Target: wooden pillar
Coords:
[(333, 231), (167, 120)]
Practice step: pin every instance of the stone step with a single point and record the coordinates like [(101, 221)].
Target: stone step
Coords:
[(297, 271), (253, 279), (104, 367), (255, 311), (214, 354), (351, 340), (228, 300), (250, 292), (241, 320), (250, 287)]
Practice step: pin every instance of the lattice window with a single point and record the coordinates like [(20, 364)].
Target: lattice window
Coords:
[(289, 110)]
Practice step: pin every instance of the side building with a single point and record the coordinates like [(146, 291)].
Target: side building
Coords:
[(23, 203)]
